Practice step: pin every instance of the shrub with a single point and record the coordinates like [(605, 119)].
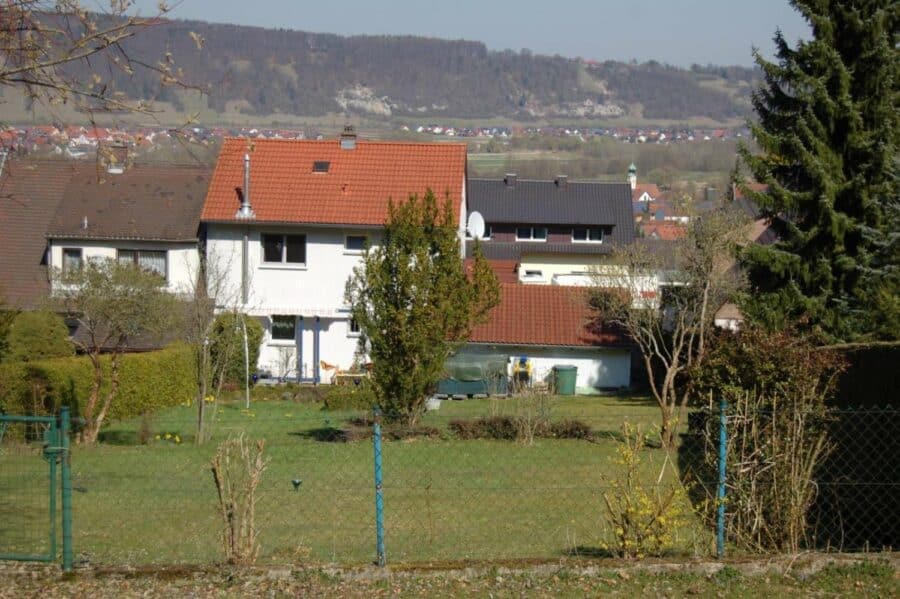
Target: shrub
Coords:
[(570, 429), (148, 382), (38, 335), (641, 515), (777, 384), (340, 398), (227, 345)]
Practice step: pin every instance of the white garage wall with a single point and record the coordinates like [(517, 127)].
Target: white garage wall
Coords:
[(598, 368)]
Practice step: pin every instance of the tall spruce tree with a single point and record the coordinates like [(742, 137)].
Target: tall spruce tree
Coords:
[(827, 129)]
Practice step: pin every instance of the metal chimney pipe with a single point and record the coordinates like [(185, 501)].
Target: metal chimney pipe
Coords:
[(246, 210)]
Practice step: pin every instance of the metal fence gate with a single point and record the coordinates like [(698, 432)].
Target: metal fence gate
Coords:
[(35, 488)]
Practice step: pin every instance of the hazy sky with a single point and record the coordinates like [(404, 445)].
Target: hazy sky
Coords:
[(677, 32)]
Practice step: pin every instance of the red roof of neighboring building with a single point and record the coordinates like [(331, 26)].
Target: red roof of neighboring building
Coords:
[(544, 315), (650, 188), (507, 271), (665, 230), (355, 190)]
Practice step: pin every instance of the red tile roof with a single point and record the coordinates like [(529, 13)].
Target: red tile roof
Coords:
[(507, 271), (665, 230), (355, 190), (544, 315), (650, 188)]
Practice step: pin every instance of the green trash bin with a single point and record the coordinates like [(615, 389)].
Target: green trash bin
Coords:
[(564, 377)]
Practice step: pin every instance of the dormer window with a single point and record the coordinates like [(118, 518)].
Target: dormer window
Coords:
[(321, 166), (531, 234), (585, 235)]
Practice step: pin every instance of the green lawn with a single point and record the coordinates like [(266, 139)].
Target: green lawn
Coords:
[(445, 499)]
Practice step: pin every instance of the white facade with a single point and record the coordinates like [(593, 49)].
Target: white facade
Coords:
[(182, 259), (312, 292), (598, 368)]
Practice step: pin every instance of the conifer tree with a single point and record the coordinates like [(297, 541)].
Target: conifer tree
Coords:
[(827, 130)]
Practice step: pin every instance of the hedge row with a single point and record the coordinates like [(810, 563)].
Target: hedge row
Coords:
[(147, 382)]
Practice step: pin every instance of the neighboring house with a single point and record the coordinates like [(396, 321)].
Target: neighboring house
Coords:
[(145, 215), (551, 228), (30, 193), (552, 326), (665, 230), (290, 219)]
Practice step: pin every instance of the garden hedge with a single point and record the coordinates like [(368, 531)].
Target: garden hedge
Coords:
[(148, 382)]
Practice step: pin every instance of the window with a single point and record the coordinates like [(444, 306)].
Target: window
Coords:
[(283, 327), (353, 328), (149, 260), (321, 166), (71, 260), (534, 274), (284, 249), (355, 243), (531, 234), (587, 235)]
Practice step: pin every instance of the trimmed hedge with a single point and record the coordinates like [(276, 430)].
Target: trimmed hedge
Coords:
[(148, 382)]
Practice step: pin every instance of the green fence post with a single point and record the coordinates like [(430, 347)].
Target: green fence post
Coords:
[(720, 491), (66, 427), (379, 490), (54, 454)]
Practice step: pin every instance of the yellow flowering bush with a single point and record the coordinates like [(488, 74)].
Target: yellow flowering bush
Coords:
[(642, 513)]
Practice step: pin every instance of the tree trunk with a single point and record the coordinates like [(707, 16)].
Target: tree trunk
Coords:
[(89, 433), (91, 437)]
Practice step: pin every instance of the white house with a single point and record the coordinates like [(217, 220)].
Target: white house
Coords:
[(289, 220), (146, 215)]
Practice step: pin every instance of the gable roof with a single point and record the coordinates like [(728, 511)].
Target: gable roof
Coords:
[(640, 189), (355, 190), (666, 230), (30, 193), (160, 203), (547, 203), (544, 315)]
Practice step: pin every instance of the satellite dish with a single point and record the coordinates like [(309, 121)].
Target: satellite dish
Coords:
[(475, 226)]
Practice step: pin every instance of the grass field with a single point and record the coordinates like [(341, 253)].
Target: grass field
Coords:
[(445, 499)]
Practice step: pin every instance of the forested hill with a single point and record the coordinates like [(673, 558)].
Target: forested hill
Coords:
[(262, 71)]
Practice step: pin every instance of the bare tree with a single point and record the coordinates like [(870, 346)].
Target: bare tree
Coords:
[(114, 305), (45, 46), (208, 295), (666, 302)]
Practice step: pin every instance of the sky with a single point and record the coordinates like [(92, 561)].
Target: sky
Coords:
[(678, 32)]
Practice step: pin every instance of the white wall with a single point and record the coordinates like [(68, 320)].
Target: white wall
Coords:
[(598, 368), (183, 259), (337, 346)]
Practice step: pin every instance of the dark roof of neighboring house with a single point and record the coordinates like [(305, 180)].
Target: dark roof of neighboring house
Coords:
[(549, 203), (153, 203), (544, 315), (30, 192), (307, 181), (513, 250)]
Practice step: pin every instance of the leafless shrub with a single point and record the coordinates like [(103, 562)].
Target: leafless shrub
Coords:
[(237, 470)]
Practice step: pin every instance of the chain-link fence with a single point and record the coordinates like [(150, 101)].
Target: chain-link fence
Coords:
[(479, 479)]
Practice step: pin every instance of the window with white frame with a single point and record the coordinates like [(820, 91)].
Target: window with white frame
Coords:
[(155, 261), (531, 234), (533, 274), (279, 248), (587, 235), (355, 243), (283, 327), (71, 260)]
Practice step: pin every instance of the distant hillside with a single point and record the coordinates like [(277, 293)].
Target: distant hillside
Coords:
[(263, 71)]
